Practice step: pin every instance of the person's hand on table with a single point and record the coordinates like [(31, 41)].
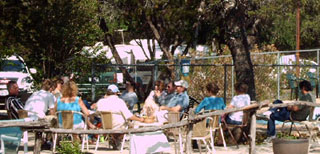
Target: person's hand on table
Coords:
[(141, 119)]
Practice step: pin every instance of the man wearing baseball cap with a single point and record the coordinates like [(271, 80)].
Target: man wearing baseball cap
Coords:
[(119, 109), (180, 101)]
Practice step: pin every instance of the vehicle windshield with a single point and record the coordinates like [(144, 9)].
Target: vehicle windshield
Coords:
[(12, 66)]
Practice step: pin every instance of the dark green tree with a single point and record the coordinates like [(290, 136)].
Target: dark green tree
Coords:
[(49, 33)]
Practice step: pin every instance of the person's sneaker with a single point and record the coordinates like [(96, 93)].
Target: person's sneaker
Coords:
[(269, 139), (116, 146), (102, 139), (267, 114)]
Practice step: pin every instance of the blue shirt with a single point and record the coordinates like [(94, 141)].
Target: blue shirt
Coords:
[(73, 106), (181, 99), (211, 103), (130, 98)]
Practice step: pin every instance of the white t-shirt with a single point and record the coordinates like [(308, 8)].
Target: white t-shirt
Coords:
[(118, 107), (39, 102), (238, 102)]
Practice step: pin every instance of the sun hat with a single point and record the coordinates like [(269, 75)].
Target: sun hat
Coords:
[(113, 88), (182, 83)]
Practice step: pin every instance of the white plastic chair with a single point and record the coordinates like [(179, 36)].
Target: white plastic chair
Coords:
[(200, 133), (67, 123), (10, 134), (106, 119)]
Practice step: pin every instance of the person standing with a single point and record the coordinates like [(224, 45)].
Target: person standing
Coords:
[(13, 103), (39, 102), (129, 95)]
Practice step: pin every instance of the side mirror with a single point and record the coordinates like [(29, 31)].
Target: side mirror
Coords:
[(33, 71)]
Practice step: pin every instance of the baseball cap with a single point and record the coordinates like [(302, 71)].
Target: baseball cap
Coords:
[(113, 88), (182, 83)]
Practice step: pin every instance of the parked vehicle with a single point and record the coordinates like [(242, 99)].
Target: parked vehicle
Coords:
[(14, 68)]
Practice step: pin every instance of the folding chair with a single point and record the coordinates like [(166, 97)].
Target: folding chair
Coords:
[(304, 122), (245, 120), (200, 133), (67, 123)]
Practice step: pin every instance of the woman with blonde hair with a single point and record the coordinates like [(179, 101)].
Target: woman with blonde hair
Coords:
[(71, 102), (158, 94)]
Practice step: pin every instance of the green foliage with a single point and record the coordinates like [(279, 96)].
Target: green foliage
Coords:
[(49, 33), (69, 147), (278, 23), (286, 136)]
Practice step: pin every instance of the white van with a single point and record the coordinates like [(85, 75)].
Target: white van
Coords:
[(14, 68)]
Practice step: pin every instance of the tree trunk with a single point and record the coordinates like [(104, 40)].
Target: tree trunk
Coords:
[(243, 65), (165, 47), (109, 41), (238, 44)]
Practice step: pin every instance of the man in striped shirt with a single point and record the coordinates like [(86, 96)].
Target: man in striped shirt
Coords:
[(13, 103)]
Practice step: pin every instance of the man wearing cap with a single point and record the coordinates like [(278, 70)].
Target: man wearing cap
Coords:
[(119, 109), (180, 101)]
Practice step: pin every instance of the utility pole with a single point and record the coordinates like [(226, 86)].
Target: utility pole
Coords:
[(298, 38)]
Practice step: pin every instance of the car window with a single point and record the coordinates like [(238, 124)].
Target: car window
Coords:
[(12, 66)]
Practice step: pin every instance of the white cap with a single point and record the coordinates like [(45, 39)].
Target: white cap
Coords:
[(182, 83), (113, 88)]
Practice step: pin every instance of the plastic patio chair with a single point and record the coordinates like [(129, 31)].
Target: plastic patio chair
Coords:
[(106, 120), (24, 114), (313, 81), (200, 133), (292, 80), (216, 125), (174, 117), (10, 138), (67, 123)]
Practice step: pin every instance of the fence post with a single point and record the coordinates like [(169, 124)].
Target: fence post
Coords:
[(252, 149), (278, 76), (37, 142), (189, 133), (225, 84), (318, 73), (156, 68), (232, 80), (93, 84)]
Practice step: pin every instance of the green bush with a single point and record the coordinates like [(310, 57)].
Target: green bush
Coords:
[(69, 147)]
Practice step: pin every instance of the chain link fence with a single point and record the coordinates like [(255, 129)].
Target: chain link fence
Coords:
[(277, 75)]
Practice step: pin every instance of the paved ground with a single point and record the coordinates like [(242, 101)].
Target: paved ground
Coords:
[(265, 148)]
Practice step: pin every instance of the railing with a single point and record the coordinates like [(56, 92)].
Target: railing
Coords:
[(43, 125)]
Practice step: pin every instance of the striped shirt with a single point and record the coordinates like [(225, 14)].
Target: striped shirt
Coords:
[(13, 104)]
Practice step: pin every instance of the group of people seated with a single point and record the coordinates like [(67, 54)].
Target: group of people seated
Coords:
[(171, 97)]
